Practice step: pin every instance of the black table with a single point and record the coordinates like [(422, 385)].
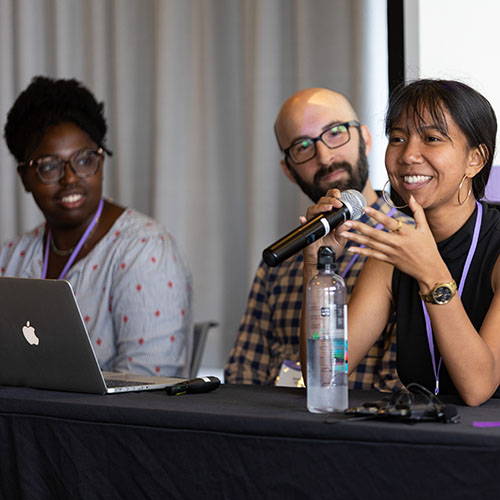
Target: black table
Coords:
[(236, 442)]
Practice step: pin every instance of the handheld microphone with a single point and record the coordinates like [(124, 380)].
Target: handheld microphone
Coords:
[(194, 386), (316, 228)]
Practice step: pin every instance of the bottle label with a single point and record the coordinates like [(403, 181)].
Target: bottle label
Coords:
[(327, 319), (328, 342), (325, 363)]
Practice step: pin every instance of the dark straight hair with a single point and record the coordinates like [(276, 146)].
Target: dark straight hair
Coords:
[(471, 111)]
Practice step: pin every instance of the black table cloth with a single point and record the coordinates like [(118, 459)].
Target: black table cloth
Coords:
[(236, 442)]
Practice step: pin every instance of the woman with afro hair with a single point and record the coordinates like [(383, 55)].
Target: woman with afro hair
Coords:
[(130, 281)]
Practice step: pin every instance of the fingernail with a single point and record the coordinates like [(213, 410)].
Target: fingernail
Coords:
[(368, 210), (348, 224)]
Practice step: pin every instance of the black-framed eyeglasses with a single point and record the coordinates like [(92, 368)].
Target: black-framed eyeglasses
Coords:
[(83, 163), (333, 137)]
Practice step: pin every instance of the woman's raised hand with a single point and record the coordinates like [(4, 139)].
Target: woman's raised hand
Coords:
[(412, 249)]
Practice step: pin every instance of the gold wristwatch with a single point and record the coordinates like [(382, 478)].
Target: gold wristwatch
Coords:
[(441, 294)]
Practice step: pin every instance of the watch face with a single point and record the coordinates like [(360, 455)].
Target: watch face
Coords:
[(442, 294)]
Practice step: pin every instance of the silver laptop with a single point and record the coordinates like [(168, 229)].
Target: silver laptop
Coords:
[(44, 342)]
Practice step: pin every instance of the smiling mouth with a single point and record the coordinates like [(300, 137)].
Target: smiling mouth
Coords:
[(71, 198), (416, 179)]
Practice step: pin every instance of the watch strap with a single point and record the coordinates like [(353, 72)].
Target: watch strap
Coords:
[(430, 297)]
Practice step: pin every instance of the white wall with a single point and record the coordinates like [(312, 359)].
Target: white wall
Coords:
[(371, 88)]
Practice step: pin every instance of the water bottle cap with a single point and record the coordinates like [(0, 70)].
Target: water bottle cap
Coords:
[(326, 256)]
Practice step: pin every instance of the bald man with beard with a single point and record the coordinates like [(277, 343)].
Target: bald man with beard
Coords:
[(324, 146)]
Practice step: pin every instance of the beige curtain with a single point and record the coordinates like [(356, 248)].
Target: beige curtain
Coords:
[(191, 89)]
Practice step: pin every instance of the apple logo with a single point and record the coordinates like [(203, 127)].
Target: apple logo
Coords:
[(29, 334)]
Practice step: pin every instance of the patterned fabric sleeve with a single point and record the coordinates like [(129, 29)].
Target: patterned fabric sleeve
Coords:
[(150, 304), (249, 360), (21, 255)]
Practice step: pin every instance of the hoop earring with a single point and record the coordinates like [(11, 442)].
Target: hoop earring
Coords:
[(387, 197), (460, 189)]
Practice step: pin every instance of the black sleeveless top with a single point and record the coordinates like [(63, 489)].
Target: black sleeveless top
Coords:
[(413, 356)]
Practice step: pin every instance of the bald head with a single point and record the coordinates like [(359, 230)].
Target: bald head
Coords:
[(308, 109), (305, 117)]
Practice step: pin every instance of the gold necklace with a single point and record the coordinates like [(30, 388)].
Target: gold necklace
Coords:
[(65, 253), (62, 253)]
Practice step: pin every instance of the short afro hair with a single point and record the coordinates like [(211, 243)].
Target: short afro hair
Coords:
[(47, 102)]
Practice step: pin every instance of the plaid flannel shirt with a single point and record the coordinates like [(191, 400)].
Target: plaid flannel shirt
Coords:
[(269, 329)]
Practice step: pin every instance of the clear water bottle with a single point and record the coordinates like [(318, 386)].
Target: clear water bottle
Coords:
[(326, 319)]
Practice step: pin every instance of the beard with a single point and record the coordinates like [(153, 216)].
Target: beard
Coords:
[(356, 176)]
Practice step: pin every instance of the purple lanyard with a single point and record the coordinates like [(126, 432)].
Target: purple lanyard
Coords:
[(468, 260), (355, 256), (78, 247)]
